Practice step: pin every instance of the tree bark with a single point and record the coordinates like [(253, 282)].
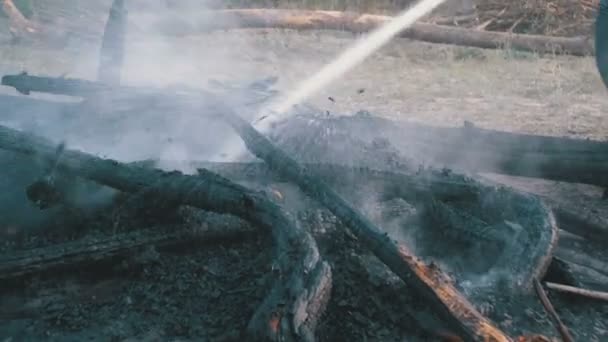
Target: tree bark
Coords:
[(428, 280), (302, 279), (86, 251), (174, 23)]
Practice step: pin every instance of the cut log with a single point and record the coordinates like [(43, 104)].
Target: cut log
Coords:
[(70, 255), (174, 23), (112, 51), (302, 279), (603, 296), (427, 280)]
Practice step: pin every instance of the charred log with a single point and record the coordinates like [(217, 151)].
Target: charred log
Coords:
[(176, 24), (71, 255), (428, 280), (302, 280), (526, 253)]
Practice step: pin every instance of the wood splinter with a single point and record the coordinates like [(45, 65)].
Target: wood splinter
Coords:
[(561, 327), (578, 291)]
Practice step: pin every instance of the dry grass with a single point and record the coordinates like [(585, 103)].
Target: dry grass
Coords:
[(407, 80)]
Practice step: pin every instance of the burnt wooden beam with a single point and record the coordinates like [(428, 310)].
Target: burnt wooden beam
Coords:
[(302, 279)]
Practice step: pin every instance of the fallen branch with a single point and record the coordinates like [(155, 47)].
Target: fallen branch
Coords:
[(303, 281), (178, 23), (427, 280), (112, 51), (578, 291), (563, 330), (88, 251), (588, 276)]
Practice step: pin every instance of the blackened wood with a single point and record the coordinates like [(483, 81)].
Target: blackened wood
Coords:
[(428, 281), (90, 250), (302, 279)]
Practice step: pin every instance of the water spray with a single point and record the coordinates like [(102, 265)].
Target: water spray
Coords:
[(346, 61)]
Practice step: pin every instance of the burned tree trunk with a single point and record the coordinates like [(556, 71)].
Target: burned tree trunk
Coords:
[(177, 24), (428, 280), (302, 279)]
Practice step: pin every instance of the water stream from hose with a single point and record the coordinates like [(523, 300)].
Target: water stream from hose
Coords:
[(347, 60)]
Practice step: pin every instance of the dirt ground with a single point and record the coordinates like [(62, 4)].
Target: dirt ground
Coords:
[(434, 84)]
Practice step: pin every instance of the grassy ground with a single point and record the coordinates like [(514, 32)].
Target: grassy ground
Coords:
[(407, 80)]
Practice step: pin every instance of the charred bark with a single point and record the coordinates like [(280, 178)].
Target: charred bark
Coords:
[(302, 279), (427, 280), (71, 255), (176, 24)]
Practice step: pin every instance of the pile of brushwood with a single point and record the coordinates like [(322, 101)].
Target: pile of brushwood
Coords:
[(334, 230), (330, 194)]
